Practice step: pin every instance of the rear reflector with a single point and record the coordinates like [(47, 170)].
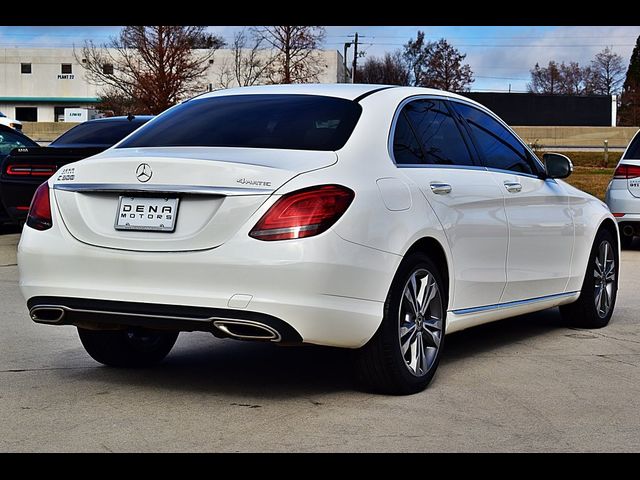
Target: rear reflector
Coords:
[(31, 170), (627, 171), (40, 211), (618, 215), (303, 213), (22, 208)]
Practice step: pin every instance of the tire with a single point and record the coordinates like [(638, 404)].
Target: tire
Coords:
[(380, 364), (584, 312), (134, 347), (626, 242)]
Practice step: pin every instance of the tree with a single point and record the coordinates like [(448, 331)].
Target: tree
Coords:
[(608, 71), (545, 80), (572, 79), (388, 70), (416, 57), (150, 67), (250, 62), (296, 56), (444, 69), (630, 99)]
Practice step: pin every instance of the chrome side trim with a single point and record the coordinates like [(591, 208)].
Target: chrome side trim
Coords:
[(517, 303), (172, 189)]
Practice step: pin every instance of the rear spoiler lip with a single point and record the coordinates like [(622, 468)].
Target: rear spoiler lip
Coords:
[(164, 189)]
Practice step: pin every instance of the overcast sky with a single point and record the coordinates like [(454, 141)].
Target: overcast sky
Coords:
[(499, 56)]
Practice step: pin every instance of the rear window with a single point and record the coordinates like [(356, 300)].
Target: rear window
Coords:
[(97, 133), (297, 122), (633, 152)]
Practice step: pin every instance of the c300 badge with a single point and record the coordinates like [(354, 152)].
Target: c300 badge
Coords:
[(65, 174)]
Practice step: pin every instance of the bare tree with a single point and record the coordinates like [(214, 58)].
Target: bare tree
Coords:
[(416, 56), (445, 69), (152, 66), (545, 80), (388, 70), (572, 79), (250, 62), (609, 71), (296, 57)]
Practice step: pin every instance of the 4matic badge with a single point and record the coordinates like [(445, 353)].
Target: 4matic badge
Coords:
[(257, 183)]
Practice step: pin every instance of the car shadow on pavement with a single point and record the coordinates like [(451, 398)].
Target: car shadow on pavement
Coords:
[(243, 368), (9, 228)]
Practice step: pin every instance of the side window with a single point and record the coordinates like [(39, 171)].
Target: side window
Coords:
[(406, 149), (438, 133), (497, 145)]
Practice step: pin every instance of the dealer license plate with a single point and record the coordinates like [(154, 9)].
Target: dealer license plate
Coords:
[(147, 214)]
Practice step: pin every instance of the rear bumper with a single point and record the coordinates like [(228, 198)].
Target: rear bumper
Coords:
[(620, 201), (328, 290)]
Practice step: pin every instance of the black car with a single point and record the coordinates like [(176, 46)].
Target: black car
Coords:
[(11, 139), (28, 166)]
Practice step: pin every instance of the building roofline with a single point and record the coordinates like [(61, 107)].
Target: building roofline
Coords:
[(49, 100)]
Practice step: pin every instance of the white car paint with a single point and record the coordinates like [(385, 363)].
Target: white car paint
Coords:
[(10, 122), (507, 253)]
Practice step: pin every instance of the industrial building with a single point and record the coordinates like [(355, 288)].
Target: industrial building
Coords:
[(37, 84)]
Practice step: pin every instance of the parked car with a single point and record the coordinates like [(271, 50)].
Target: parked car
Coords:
[(26, 168), (10, 122), (359, 216), (11, 139), (623, 193)]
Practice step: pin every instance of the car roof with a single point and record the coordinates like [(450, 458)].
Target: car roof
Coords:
[(136, 118), (349, 91)]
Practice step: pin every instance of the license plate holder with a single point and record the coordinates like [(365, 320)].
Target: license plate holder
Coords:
[(147, 214)]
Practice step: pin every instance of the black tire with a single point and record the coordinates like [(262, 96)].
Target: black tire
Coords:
[(134, 347), (626, 242), (583, 313), (380, 365)]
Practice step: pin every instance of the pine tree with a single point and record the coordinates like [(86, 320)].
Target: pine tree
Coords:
[(630, 100)]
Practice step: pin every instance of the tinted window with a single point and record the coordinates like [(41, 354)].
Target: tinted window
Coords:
[(406, 149), (97, 133), (10, 140), (499, 148), (439, 136), (301, 122), (633, 152)]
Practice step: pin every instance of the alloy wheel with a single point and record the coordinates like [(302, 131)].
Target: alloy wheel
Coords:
[(604, 274)]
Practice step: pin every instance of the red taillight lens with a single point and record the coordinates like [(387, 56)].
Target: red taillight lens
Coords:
[(30, 170), (303, 213), (627, 171), (40, 211)]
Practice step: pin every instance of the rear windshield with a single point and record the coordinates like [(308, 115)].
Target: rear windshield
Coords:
[(633, 152), (97, 133), (298, 122)]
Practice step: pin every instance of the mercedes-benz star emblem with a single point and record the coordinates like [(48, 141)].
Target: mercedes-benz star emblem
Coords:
[(144, 172)]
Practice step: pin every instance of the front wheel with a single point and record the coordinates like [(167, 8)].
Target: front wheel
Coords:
[(403, 355), (133, 347), (597, 299)]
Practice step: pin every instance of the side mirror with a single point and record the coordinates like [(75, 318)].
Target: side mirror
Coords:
[(558, 165)]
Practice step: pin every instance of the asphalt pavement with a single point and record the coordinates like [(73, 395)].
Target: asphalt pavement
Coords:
[(523, 384)]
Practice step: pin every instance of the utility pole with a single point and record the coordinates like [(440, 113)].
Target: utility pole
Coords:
[(355, 58), (344, 59)]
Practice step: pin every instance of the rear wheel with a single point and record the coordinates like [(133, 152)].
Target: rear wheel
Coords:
[(403, 355), (133, 347), (599, 290)]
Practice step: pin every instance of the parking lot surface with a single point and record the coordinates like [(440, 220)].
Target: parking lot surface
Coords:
[(524, 384)]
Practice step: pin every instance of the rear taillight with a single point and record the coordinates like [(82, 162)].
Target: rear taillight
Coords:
[(40, 210), (30, 170), (303, 213), (627, 171)]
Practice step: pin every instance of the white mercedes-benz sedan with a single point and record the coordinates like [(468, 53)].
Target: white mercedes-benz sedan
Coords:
[(367, 217)]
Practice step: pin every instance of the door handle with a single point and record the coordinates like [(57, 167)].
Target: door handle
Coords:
[(513, 187), (440, 188)]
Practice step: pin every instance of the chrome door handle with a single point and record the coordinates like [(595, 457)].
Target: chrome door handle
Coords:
[(440, 188), (513, 187)]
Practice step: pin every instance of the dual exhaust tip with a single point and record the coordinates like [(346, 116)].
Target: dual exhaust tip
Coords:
[(239, 329)]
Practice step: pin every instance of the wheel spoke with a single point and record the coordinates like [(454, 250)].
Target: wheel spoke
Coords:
[(408, 342), (429, 294), (598, 297), (424, 364), (606, 298), (415, 354), (433, 324), (431, 338)]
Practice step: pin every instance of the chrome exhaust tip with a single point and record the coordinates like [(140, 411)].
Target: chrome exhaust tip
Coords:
[(247, 330), (628, 230), (47, 314)]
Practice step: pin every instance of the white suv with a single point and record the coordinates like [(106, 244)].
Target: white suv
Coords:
[(10, 122), (623, 193)]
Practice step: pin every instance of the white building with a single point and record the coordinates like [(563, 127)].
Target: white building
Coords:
[(37, 84)]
